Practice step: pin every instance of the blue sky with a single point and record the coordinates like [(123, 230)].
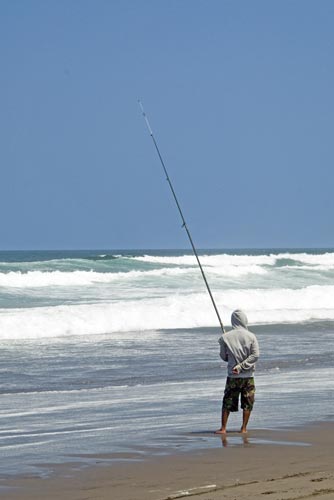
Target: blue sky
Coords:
[(239, 95)]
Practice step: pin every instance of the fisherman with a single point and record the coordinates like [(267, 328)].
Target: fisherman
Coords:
[(239, 348)]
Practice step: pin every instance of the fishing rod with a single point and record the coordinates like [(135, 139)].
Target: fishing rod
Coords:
[(184, 224)]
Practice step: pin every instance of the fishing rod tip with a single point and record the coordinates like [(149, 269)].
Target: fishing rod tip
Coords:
[(141, 105)]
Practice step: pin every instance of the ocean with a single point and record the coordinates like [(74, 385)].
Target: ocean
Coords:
[(116, 354)]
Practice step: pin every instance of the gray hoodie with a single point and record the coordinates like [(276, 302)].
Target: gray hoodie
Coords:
[(239, 347)]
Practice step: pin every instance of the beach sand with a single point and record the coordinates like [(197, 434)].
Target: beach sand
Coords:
[(278, 465)]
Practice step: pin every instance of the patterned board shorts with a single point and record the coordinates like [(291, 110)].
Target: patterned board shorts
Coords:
[(236, 386)]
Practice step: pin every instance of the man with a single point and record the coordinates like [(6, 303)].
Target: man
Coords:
[(239, 347)]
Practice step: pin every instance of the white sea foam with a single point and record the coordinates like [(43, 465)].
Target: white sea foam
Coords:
[(326, 259), (314, 267), (177, 311), (141, 299), (232, 270), (37, 279), (211, 260), (241, 260), (34, 279)]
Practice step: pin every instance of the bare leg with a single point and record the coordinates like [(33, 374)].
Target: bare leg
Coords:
[(245, 418), (225, 415)]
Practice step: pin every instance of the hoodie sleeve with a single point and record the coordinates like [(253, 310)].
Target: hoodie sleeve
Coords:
[(249, 362), (223, 349)]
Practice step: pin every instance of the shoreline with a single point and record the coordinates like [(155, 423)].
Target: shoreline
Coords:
[(292, 463)]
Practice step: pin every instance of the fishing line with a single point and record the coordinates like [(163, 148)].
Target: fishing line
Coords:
[(184, 224)]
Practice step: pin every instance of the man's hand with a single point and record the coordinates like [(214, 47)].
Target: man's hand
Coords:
[(236, 369)]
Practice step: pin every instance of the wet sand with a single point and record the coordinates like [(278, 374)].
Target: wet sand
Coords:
[(278, 465)]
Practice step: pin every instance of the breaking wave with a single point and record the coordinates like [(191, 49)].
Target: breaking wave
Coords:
[(176, 311), (112, 292)]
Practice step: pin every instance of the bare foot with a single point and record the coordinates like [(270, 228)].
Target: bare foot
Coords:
[(243, 431), (220, 431)]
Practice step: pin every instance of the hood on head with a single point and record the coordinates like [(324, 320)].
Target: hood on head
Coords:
[(239, 319)]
